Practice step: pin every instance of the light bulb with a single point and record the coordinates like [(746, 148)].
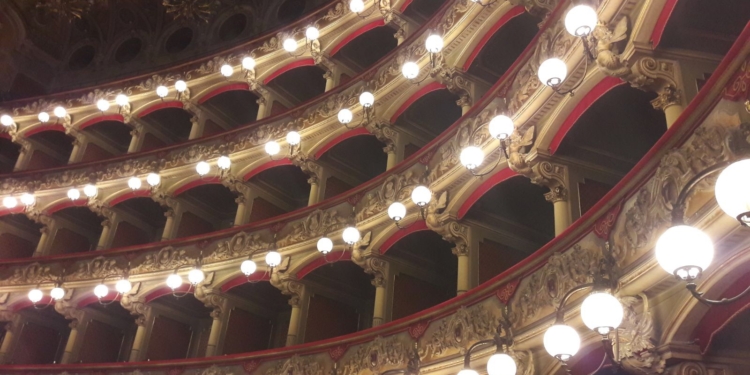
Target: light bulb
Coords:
[(57, 293), (195, 276), (501, 364), (325, 245), (6, 120), (248, 63), (248, 267), (312, 33), (345, 116), (732, 192), (202, 168), (60, 112), (43, 117), (561, 341), (601, 312), (272, 148), (581, 20), (35, 295), (123, 286), (90, 190), (552, 72), (357, 6), (224, 162), (434, 43), (421, 195), (684, 251), (273, 258), (27, 199), (102, 104), (501, 127), (467, 371), (180, 86), (293, 138), (366, 99), (153, 179), (162, 91), (101, 291), (226, 70), (174, 281), (74, 194), (351, 235), (10, 202), (471, 157), (134, 183), (396, 211), (122, 100), (410, 70), (290, 45)]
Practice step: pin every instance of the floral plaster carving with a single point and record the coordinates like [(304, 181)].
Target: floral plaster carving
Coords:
[(637, 339), (96, 268), (378, 201), (317, 224), (297, 365), (241, 244), (377, 355), (31, 274), (166, 258), (458, 331)]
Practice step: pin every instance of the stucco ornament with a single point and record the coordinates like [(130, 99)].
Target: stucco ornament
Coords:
[(378, 355), (191, 9), (460, 330), (98, 267), (241, 244), (636, 339), (166, 258), (31, 274), (296, 365), (317, 224), (393, 189), (215, 370)]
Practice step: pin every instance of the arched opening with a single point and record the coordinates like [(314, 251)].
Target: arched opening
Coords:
[(504, 46), (352, 162), (170, 125), (607, 140), (9, 153), (181, 327), (75, 230), (42, 334), (108, 332), (422, 10), (141, 221), (259, 318), (693, 26), (341, 301), (424, 272), (367, 48), (19, 236), (236, 107), (278, 190), (51, 149), (206, 208), (296, 86), (428, 117), (512, 220), (106, 139)]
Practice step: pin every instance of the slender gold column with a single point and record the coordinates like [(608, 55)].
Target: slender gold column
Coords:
[(24, 155), (669, 101), (558, 196), (463, 282), (142, 334), (299, 302), (9, 341)]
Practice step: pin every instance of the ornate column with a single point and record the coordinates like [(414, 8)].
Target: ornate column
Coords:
[(317, 175), (244, 198), (173, 214), (465, 103), (136, 140), (263, 108), (219, 314), (383, 283), (669, 101), (78, 323), (390, 150), (48, 230), (79, 147), (109, 225), (459, 235), (386, 133), (558, 196), (12, 329), (24, 154), (144, 319), (331, 79), (198, 122), (299, 299)]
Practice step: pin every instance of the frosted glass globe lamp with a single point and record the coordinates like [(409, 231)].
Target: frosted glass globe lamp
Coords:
[(27, 199), (471, 157), (6, 120), (101, 291), (43, 117), (134, 183), (162, 91), (102, 105), (421, 195), (434, 43), (357, 6), (60, 112), (467, 371), (272, 148), (580, 20), (397, 211), (202, 168), (366, 99), (325, 245), (180, 86), (226, 70), (153, 179), (174, 281), (561, 341), (10, 202), (290, 45), (345, 116), (684, 251), (351, 235), (123, 286), (74, 194), (293, 138), (90, 190), (733, 191), (501, 364), (312, 33), (223, 162), (273, 258), (248, 63), (552, 72), (196, 275), (601, 312), (248, 267), (501, 127), (410, 70), (57, 293), (122, 99), (35, 295)]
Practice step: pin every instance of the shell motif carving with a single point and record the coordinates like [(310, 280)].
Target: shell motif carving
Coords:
[(460, 330), (296, 365), (379, 353)]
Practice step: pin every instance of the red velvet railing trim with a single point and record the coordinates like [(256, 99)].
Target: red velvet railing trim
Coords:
[(53, 127), (241, 86), (288, 67), (160, 106), (102, 118), (141, 193), (661, 22), (333, 256), (242, 279), (200, 181), (418, 226), (269, 165), (349, 134)]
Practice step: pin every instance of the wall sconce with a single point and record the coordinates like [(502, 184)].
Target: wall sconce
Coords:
[(500, 128), (195, 277), (421, 196), (56, 293)]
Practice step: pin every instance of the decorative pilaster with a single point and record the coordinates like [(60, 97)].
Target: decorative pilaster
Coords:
[(109, 224), (144, 319), (299, 300), (212, 298), (198, 121), (13, 324), (459, 235), (136, 141), (80, 142), (173, 214), (465, 103), (669, 101), (383, 283), (317, 175), (24, 154), (47, 231), (78, 324)]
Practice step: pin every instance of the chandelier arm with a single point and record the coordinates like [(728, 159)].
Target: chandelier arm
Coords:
[(560, 314), (678, 209), (724, 301), (467, 356), (580, 82), (497, 162), (372, 10)]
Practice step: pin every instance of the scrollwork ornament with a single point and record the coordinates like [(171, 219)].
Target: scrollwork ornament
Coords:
[(297, 365), (377, 355), (458, 331)]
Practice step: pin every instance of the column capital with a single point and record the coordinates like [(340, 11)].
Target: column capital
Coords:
[(76, 316), (308, 165), (385, 132), (455, 233), (291, 287), (379, 269), (668, 96), (166, 200), (212, 299), (137, 307)]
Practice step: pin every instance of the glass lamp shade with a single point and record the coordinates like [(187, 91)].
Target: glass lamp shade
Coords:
[(10, 202), (732, 192), (123, 286), (501, 127), (60, 112), (410, 70), (134, 183), (202, 168), (43, 117), (351, 235), (434, 43), (174, 281), (290, 45), (272, 148), (396, 211), (226, 70), (273, 258), (162, 91), (101, 291), (293, 138), (312, 33), (153, 179), (224, 162), (421, 195), (74, 194), (35, 295), (122, 99), (562, 341), (357, 6), (552, 72), (684, 251), (180, 86), (27, 199), (601, 312), (345, 116), (57, 293), (90, 190), (102, 105), (501, 364), (195, 276), (467, 371), (471, 157), (6, 120), (248, 63), (366, 99), (581, 20), (248, 267), (325, 245)]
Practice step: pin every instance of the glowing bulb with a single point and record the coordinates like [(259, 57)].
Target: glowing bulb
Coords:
[(10, 202), (248, 63), (57, 293), (396, 211), (202, 168), (366, 99), (195, 276), (226, 70), (122, 100), (102, 104), (312, 33), (43, 117), (290, 45), (684, 251), (467, 371), (325, 245), (562, 341), (601, 312), (357, 6), (410, 70), (434, 43), (501, 127), (223, 162), (248, 267), (581, 20), (421, 195), (134, 183), (6, 120), (345, 116), (731, 190), (471, 157), (123, 286), (552, 72), (273, 258), (27, 199), (35, 295), (101, 291), (162, 91), (293, 138), (501, 364), (74, 194), (272, 148), (60, 112), (180, 86), (153, 179), (90, 190), (351, 235), (174, 281)]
